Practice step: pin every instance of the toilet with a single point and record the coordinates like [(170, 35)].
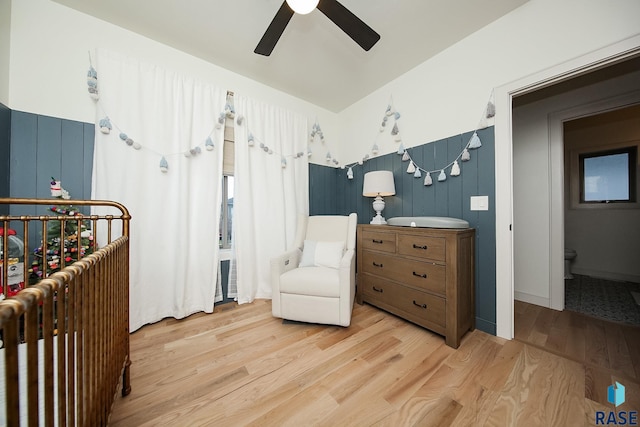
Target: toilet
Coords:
[(569, 255)]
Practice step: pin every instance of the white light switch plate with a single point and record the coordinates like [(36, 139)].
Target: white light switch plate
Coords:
[(479, 203)]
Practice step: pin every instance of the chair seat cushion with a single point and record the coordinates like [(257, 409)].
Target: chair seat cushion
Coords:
[(315, 281)]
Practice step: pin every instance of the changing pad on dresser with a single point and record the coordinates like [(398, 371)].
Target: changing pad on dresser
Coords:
[(428, 222)]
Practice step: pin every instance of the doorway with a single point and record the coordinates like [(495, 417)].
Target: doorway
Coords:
[(539, 163), (543, 253)]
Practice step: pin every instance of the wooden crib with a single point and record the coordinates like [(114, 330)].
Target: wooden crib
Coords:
[(65, 337)]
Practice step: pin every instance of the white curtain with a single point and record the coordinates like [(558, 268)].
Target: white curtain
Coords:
[(175, 215), (269, 195)]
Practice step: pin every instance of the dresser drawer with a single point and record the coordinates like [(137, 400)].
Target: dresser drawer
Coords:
[(421, 306), (419, 274), (379, 241), (422, 246)]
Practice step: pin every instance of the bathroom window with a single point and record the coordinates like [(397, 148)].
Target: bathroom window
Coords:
[(608, 176)]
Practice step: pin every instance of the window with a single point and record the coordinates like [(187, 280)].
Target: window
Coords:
[(608, 176), (226, 211), (226, 214)]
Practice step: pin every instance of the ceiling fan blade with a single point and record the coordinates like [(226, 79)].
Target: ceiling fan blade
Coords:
[(275, 30), (355, 28)]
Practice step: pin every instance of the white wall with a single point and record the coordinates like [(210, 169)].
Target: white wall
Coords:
[(5, 29), (532, 153), (446, 95), (49, 59)]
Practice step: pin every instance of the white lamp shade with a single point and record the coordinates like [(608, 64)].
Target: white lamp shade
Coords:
[(302, 6), (378, 183)]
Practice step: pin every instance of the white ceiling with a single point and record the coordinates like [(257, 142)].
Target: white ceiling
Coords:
[(313, 60)]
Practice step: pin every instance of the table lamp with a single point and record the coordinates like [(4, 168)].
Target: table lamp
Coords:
[(378, 184)]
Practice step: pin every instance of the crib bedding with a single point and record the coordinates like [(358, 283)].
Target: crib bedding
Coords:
[(22, 383)]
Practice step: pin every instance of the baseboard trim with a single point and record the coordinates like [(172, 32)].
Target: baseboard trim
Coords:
[(531, 299), (485, 326), (608, 275)]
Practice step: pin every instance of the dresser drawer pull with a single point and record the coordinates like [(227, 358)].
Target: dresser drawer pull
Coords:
[(377, 290), (377, 241), (419, 305), (375, 264), (424, 276), (419, 247)]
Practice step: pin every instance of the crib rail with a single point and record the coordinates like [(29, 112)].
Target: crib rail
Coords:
[(65, 336)]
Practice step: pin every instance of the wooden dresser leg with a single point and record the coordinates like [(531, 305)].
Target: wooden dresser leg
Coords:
[(452, 341), (126, 378)]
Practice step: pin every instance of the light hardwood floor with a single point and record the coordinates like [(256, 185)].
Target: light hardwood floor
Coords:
[(240, 366)]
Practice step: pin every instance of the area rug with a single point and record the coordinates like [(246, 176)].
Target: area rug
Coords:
[(605, 299), (636, 296)]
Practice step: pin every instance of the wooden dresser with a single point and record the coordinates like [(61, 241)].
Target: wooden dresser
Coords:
[(424, 275)]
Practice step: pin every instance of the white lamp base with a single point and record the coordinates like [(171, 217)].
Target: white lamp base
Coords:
[(378, 206)]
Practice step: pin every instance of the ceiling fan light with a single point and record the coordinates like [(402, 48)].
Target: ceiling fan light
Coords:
[(302, 6)]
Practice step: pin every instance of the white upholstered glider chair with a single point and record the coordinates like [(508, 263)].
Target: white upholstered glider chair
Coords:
[(315, 282)]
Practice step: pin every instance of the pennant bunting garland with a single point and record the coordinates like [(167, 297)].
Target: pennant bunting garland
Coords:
[(455, 169), (164, 166), (473, 143), (316, 133), (92, 83), (251, 140), (106, 125), (411, 168), (390, 120)]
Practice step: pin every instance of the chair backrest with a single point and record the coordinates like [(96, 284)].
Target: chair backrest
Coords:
[(332, 228)]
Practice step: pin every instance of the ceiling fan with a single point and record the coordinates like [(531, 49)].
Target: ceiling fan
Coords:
[(353, 26)]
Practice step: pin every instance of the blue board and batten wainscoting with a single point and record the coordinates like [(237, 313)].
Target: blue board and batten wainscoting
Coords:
[(42, 147), (5, 152), (33, 148), (331, 192)]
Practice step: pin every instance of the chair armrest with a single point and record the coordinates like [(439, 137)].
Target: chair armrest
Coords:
[(347, 277), (285, 262), (348, 256), (347, 273), (280, 265)]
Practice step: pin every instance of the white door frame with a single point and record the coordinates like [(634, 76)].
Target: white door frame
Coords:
[(503, 97)]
